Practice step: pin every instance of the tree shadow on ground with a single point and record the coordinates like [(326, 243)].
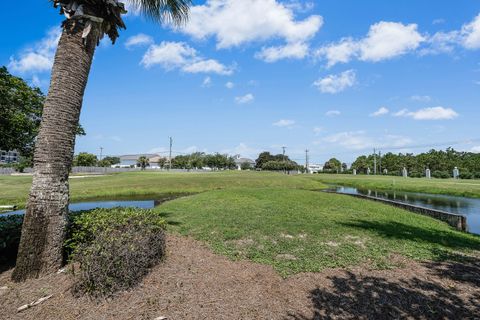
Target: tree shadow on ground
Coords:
[(457, 268), (397, 230), (356, 297), (167, 216)]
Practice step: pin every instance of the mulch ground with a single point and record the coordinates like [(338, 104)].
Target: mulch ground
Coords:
[(194, 283)]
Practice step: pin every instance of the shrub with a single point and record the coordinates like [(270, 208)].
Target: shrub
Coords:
[(416, 174), (10, 231), (441, 174), (114, 248), (467, 175)]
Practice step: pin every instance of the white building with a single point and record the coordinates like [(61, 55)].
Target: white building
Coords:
[(315, 168), (239, 162), (131, 159)]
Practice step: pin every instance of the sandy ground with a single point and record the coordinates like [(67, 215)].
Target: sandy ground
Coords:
[(194, 283)]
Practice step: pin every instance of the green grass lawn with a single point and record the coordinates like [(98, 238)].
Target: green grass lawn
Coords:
[(276, 219), (299, 230), (464, 188), (14, 189)]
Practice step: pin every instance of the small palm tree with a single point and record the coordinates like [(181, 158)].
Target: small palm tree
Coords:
[(87, 21), (143, 162)]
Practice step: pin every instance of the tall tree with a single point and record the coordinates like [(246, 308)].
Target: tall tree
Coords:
[(87, 21), (20, 113)]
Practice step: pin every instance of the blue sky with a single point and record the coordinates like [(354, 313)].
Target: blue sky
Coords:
[(338, 77)]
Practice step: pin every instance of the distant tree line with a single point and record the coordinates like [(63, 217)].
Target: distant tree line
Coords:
[(441, 163), (278, 162), (84, 159), (198, 160)]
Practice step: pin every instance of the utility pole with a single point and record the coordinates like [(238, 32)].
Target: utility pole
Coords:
[(374, 161), (284, 161), (306, 161), (101, 153), (170, 155), (380, 161)]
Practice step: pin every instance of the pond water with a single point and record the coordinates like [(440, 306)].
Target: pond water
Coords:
[(468, 207), (145, 204)]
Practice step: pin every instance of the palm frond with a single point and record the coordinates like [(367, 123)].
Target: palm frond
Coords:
[(107, 14), (175, 11)]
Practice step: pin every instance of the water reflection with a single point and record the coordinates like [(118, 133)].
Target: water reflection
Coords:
[(469, 207), (147, 204)]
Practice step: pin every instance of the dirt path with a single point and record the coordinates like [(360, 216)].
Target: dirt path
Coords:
[(194, 283)]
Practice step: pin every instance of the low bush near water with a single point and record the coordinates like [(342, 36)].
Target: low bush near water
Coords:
[(113, 249), (10, 231)]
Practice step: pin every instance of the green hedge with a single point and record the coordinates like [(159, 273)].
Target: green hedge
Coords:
[(10, 231), (113, 248)]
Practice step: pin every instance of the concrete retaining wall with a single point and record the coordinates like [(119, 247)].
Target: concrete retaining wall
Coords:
[(455, 220)]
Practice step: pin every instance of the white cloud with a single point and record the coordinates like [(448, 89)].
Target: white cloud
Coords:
[(471, 34), (421, 98), (140, 39), (318, 130), (244, 150), (360, 140), (435, 113), (351, 140), (208, 66), (475, 149), (336, 83), (234, 23), (385, 40), (207, 82), (332, 113), (248, 98), (284, 123), (401, 113), (467, 37), (169, 55), (39, 82), (340, 52), (39, 57), (441, 42), (288, 51), (179, 55), (229, 85), (299, 5), (380, 112)]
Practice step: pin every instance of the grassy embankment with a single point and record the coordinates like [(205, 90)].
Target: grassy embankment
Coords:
[(278, 220), (463, 188), (152, 185), (306, 231)]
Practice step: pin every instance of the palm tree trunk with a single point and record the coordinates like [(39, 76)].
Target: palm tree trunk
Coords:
[(43, 231)]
